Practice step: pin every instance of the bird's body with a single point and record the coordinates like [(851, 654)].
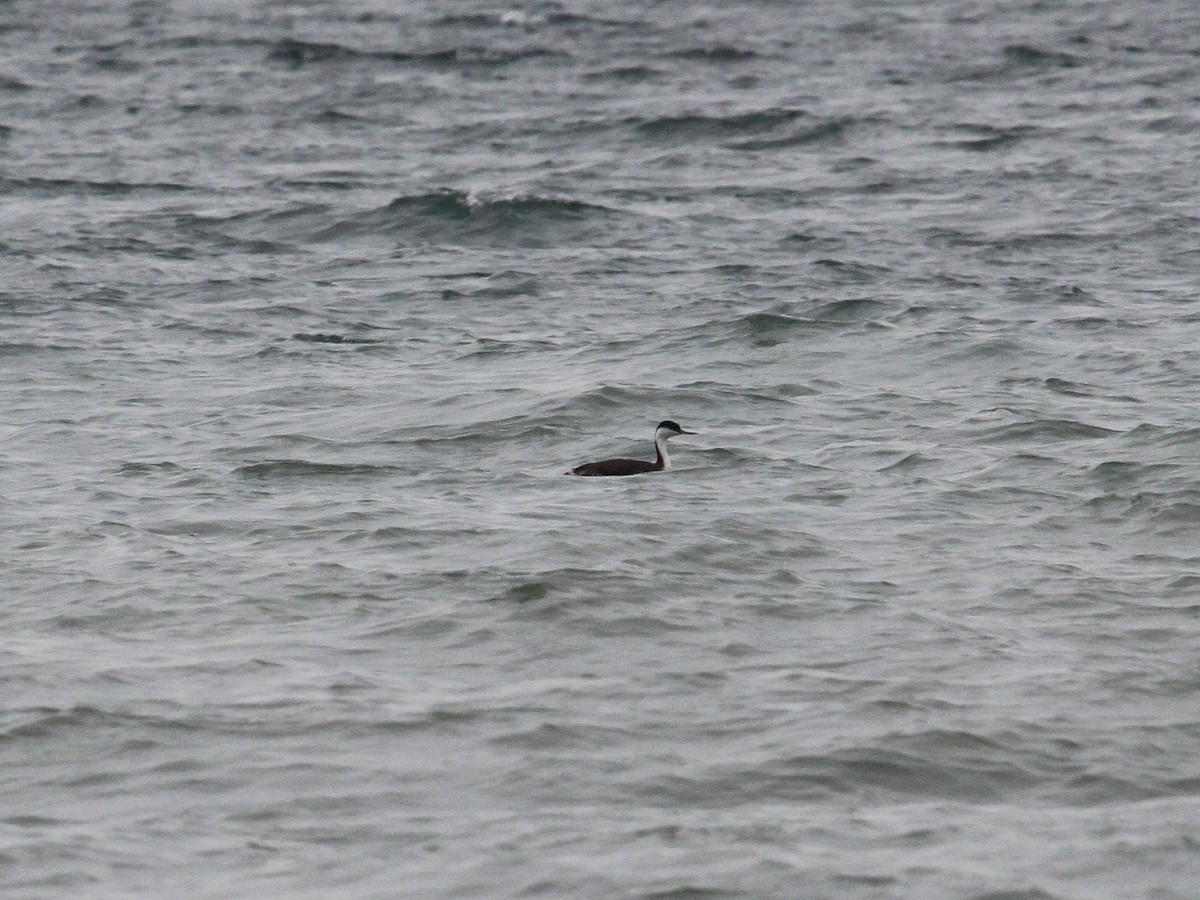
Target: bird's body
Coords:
[(618, 467), (664, 432)]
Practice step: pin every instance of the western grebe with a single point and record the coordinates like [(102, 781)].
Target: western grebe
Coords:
[(663, 433)]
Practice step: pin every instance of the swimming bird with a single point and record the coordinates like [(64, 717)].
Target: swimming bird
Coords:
[(663, 433)]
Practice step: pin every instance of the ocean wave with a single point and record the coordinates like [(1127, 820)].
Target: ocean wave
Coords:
[(297, 54), (589, 598), (12, 349), (717, 53), (140, 469), (530, 21), (852, 309), (484, 432), (1026, 56), (851, 272), (455, 217), (697, 126), (832, 130), (602, 398), (989, 138), (329, 338), (628, 74), (946, 763), (1153, 434), (1178, 510), (264, 231), (1041, 430), (760, 328), (1121, 473), (289, 469), (1019, 60), (58, 186), (43, 722), (768, 327)]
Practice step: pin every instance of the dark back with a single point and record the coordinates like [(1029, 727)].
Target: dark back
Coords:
[(617, 467)]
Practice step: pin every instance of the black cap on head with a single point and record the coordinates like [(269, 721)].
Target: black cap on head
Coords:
[(672, 426)]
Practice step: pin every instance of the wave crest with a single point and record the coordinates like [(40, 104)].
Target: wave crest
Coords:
[(453, 217)]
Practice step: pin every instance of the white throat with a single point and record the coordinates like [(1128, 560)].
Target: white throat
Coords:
[(660, 444)]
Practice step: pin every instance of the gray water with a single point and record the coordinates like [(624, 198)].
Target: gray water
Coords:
[(307, 307)]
